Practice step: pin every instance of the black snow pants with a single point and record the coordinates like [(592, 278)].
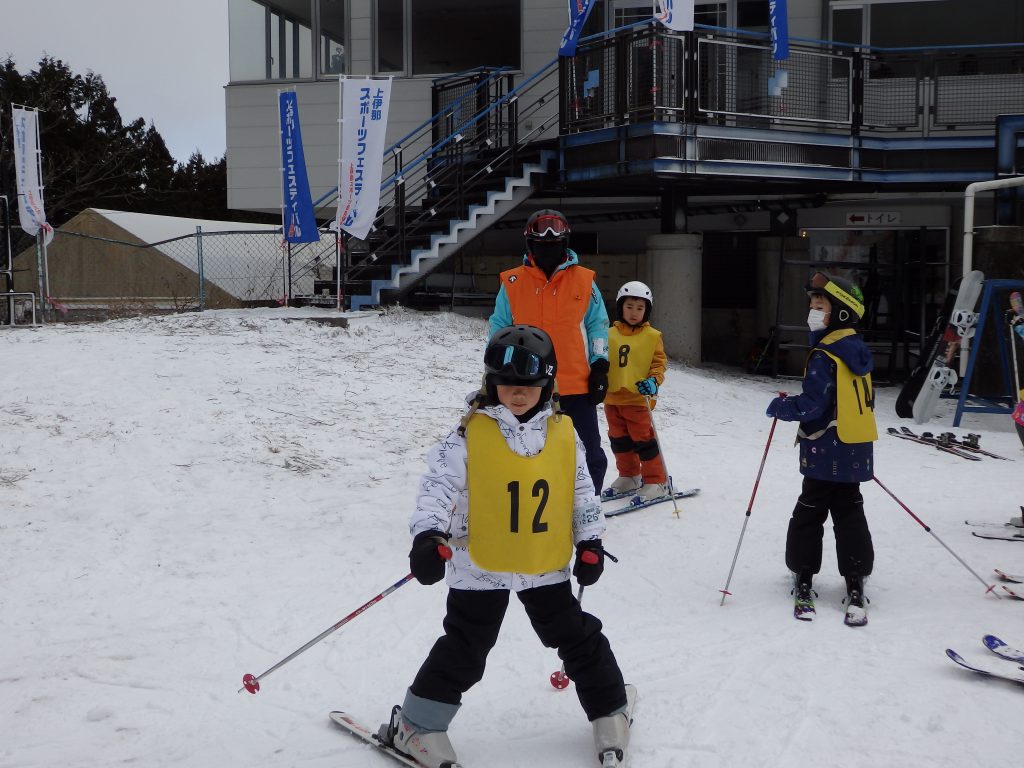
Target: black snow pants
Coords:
[(456, 662), (855, 553)]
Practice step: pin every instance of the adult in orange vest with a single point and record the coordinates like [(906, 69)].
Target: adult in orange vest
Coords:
[(551, 291)]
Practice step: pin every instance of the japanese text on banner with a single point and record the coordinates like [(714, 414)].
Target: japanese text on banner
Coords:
[(364, 106)]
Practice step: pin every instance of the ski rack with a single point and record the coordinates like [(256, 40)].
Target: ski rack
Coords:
[(999, 403)]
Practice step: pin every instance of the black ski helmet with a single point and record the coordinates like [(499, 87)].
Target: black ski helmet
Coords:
[(846, 299), (520, 354), (547, 224), (547, 239), (634, 289)]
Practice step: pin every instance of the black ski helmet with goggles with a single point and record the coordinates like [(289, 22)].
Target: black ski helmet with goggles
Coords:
[(846, 299), (547, 239), (520, 355)]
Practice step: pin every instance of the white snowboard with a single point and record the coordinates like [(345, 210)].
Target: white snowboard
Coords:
[(961, 325)]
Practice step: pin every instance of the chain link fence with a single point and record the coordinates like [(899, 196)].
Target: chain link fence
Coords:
[(103, 274)]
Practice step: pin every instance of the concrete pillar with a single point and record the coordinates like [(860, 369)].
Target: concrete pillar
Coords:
[(674, 266)]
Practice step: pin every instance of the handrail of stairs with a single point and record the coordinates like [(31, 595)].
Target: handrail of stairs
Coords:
[(448, 156)]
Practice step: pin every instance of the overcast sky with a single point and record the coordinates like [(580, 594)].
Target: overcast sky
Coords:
[(163, 60)]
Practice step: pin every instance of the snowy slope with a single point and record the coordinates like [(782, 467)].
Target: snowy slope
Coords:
[(186, 499)]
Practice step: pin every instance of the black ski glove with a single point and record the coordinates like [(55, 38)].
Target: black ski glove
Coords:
[(589, 562), (427, 556), (598, 381)]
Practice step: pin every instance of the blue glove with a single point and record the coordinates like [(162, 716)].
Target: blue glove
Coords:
[(773, 407), (647, 387)]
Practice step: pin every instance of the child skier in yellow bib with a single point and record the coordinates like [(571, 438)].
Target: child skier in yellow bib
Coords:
[(509, 491), (837, 428), (636, 357)]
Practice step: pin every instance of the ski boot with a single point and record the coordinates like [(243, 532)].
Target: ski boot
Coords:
[(650, 491), (856, 602), (803, 598), (611, 733), (431, 749), (623, 484)]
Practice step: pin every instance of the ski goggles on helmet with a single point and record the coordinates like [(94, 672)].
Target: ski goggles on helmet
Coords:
[(511, 362), (822, 283), (547, 225)]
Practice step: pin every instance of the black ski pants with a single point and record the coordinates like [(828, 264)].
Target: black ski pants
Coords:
[(855, 553), (583, 413), (456, 662)]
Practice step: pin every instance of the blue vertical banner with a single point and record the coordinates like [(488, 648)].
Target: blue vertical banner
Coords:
[(579, 10), (779, 22), (298, 220)]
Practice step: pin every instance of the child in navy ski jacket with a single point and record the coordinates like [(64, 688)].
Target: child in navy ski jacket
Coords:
[(837, 428)]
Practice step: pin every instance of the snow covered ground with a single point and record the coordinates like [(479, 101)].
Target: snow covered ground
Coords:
[(186, 499)]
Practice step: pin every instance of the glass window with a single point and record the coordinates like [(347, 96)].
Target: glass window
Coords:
[(455, 35), (270, 40), (711, 14), (247, 34), (847, 25), (390, 40), (332, 37), (950, 22)]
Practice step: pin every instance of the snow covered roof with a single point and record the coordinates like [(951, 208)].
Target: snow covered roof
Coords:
[(248, 263), (152, 228)]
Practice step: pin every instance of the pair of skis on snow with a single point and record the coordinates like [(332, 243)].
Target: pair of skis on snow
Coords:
[(1000, 649), (379, 740), (948, 443), (1017, 593), (637, 503), (1013, 530)]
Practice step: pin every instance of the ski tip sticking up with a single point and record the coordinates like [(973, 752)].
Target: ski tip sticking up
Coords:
[(1011, 577), (986, 670), (1002, 650)]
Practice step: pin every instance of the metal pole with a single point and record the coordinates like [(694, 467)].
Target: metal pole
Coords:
[(39, 274), (251, 683), (725, 591), (988, 587), (339, 304), (661, 450), (199, 268)]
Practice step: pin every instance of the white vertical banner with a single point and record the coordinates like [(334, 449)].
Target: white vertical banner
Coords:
[(364, 123), (27, 171), (677, 15)]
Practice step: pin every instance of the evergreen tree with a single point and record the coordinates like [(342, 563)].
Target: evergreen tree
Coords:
[(92, 159)]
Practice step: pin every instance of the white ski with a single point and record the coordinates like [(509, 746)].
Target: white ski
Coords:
[(361, 732)]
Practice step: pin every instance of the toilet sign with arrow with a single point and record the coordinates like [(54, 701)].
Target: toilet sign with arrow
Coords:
[(873, 218)]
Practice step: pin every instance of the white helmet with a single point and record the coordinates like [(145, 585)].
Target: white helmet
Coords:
[(634, 289)]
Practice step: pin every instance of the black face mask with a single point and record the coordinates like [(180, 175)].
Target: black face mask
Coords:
[(547, 255)]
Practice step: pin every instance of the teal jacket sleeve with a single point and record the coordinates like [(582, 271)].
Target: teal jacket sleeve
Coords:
[(596, 322), (502, 315)]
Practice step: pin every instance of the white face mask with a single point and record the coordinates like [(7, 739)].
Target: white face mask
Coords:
[(816, 320)]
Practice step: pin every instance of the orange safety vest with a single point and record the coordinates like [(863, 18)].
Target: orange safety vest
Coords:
[(557, 306)]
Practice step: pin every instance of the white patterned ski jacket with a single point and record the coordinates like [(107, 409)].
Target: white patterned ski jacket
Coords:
[(443, 500)]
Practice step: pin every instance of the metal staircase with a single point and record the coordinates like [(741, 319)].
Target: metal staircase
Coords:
[(480, 155)]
